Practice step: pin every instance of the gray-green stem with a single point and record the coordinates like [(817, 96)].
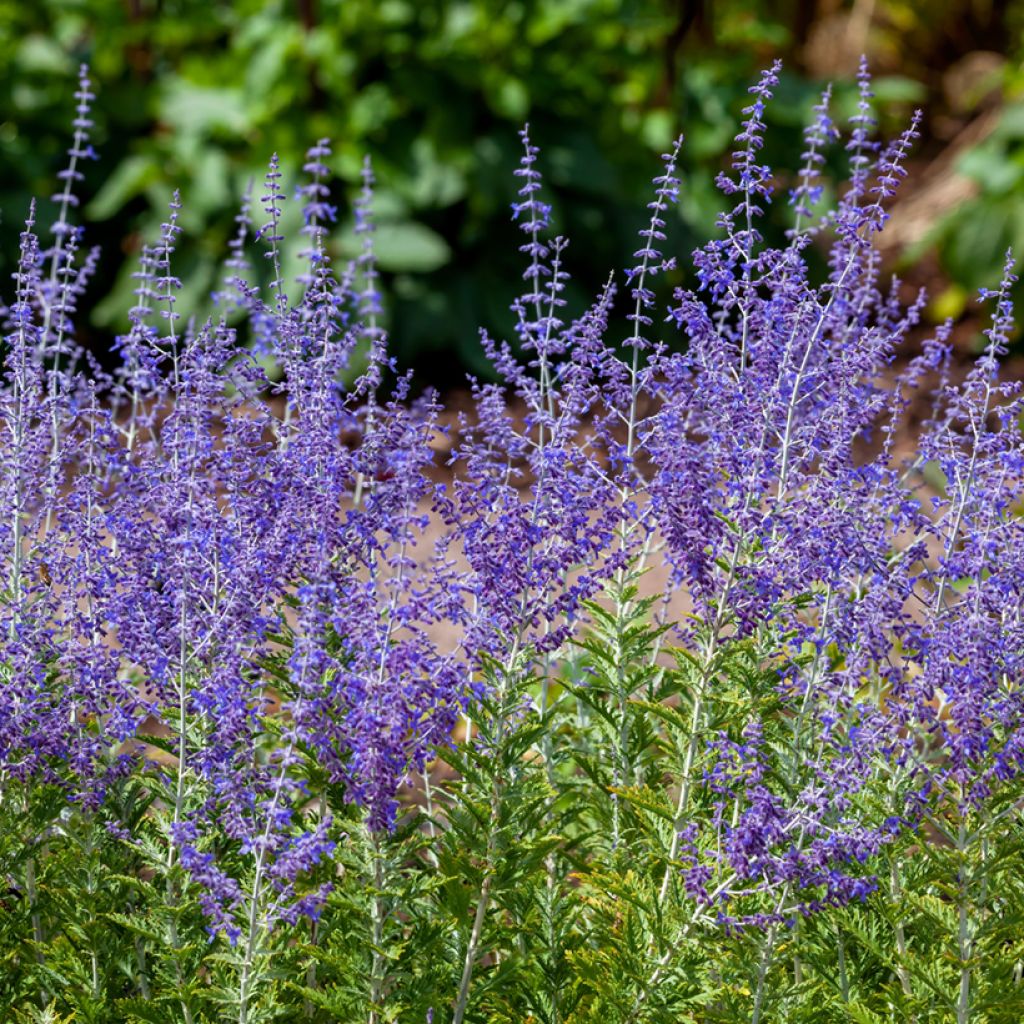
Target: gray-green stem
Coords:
[(762, 973), (901, 938), (963, 1007), (484, 898), (379, 914), (844, 983)]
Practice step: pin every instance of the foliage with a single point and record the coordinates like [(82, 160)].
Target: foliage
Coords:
[(292, 729), (972, 237), (434, 92)]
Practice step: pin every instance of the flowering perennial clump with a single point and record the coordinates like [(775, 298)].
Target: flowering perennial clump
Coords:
[(668, 683)]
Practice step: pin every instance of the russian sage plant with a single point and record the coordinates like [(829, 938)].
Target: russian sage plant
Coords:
[(677, 679)]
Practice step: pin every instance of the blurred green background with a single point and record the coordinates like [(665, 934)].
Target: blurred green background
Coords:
[(196, 94)]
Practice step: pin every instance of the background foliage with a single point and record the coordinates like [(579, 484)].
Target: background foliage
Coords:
[(197, 95)]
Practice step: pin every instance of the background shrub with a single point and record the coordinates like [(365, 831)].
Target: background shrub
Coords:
[(196, 95)]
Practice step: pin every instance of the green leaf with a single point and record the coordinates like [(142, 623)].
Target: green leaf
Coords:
[(42, 54), (201, 110), (130, 178), (410, 247)]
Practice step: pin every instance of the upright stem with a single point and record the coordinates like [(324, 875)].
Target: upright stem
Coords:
[(901, 938), (620, 771), (142, 979), (762, 973), (37, 921), (428, 793), (768, 951), (91, 888), (179, 788), (844, 984), (252, 940), (18, 430), (172, 904), (484, 899), (963, 1008), (550, 862), (254, 923), (314, 937), (478, 926), (379, 913), (706, 671)]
